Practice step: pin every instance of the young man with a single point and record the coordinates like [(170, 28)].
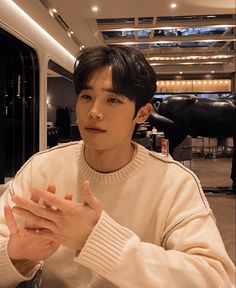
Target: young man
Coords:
[(135, 218)]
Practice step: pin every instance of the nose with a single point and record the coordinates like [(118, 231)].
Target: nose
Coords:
[(95, 113)]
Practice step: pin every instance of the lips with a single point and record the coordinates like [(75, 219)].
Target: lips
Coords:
[(94, 129)]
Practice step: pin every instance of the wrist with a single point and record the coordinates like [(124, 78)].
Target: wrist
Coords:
[(25, 267)]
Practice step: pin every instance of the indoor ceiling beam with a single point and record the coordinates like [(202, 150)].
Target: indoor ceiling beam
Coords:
[(195, 69), (182, 51), (173, 24), (192, 61), (170, 39)]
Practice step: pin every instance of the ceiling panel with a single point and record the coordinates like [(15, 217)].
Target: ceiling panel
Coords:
[(197, 36)]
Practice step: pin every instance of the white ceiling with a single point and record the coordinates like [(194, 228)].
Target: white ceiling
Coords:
[(78, 15)]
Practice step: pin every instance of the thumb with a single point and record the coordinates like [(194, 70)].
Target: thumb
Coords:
[(87, 197)]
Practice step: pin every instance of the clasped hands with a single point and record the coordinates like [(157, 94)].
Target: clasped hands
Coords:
[(59, 222)]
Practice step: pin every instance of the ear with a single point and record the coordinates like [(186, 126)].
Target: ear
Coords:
[(143, 113)]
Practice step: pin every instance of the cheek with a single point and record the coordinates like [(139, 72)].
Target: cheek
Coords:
[(80, 111)]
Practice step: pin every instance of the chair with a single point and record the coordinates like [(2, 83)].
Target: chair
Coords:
[(183, 152), (198, 145)]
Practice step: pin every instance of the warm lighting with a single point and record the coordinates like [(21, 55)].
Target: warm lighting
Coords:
[(180, 72), (54, 10), (94, 8), (173, 5), (45, 36)]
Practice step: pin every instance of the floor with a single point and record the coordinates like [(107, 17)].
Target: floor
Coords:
[(213, 172), (214, 175), (223, 207)]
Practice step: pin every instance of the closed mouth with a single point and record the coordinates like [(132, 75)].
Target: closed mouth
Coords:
[(94, 129)]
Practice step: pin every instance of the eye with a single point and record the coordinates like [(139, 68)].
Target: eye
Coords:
[(85, 97), (114, 100)]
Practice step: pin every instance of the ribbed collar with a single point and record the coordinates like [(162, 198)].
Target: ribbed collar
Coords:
[(115, 177)]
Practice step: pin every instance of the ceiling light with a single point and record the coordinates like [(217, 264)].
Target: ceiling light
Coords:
[(94, 8), (54, 10), (173, 5), (180, 72), (212, 72), (71, 32)]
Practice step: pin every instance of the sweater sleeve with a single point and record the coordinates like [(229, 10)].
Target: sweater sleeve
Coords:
[(194, 256), (9, 275)]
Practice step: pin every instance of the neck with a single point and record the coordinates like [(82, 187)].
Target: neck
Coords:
[(107, 161)]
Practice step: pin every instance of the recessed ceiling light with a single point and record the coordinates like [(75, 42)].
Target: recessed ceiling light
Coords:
[(54, 10), (95, 8), (180, 72), (173, 5), (212, 72)]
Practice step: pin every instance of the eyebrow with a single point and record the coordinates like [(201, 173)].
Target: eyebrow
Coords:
[(111, 90)]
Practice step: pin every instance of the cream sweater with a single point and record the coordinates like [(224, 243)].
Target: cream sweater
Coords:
[(156, 229)]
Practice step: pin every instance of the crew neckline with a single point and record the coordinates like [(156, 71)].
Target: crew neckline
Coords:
[(139, 156)]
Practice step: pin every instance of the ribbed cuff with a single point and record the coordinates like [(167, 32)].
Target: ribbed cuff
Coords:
[(104, 246), (8, 273)]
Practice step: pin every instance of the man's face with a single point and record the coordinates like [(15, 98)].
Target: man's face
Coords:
[(106, 119)]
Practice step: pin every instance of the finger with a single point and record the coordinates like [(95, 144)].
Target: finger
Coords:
[(52, 189), (36, 208), (68, 196), (10, 220), (87, 197), (37, 221), (36, 200), (51, 199)]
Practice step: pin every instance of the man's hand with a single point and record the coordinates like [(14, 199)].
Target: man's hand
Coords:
[(69, 222), (27, 243)]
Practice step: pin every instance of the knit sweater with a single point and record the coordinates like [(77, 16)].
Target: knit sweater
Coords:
[(156, 228)]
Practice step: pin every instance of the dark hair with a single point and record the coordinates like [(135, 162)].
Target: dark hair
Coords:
[(132, 75)]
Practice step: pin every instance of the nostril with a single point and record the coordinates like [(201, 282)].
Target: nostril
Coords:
[(95, 115)]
